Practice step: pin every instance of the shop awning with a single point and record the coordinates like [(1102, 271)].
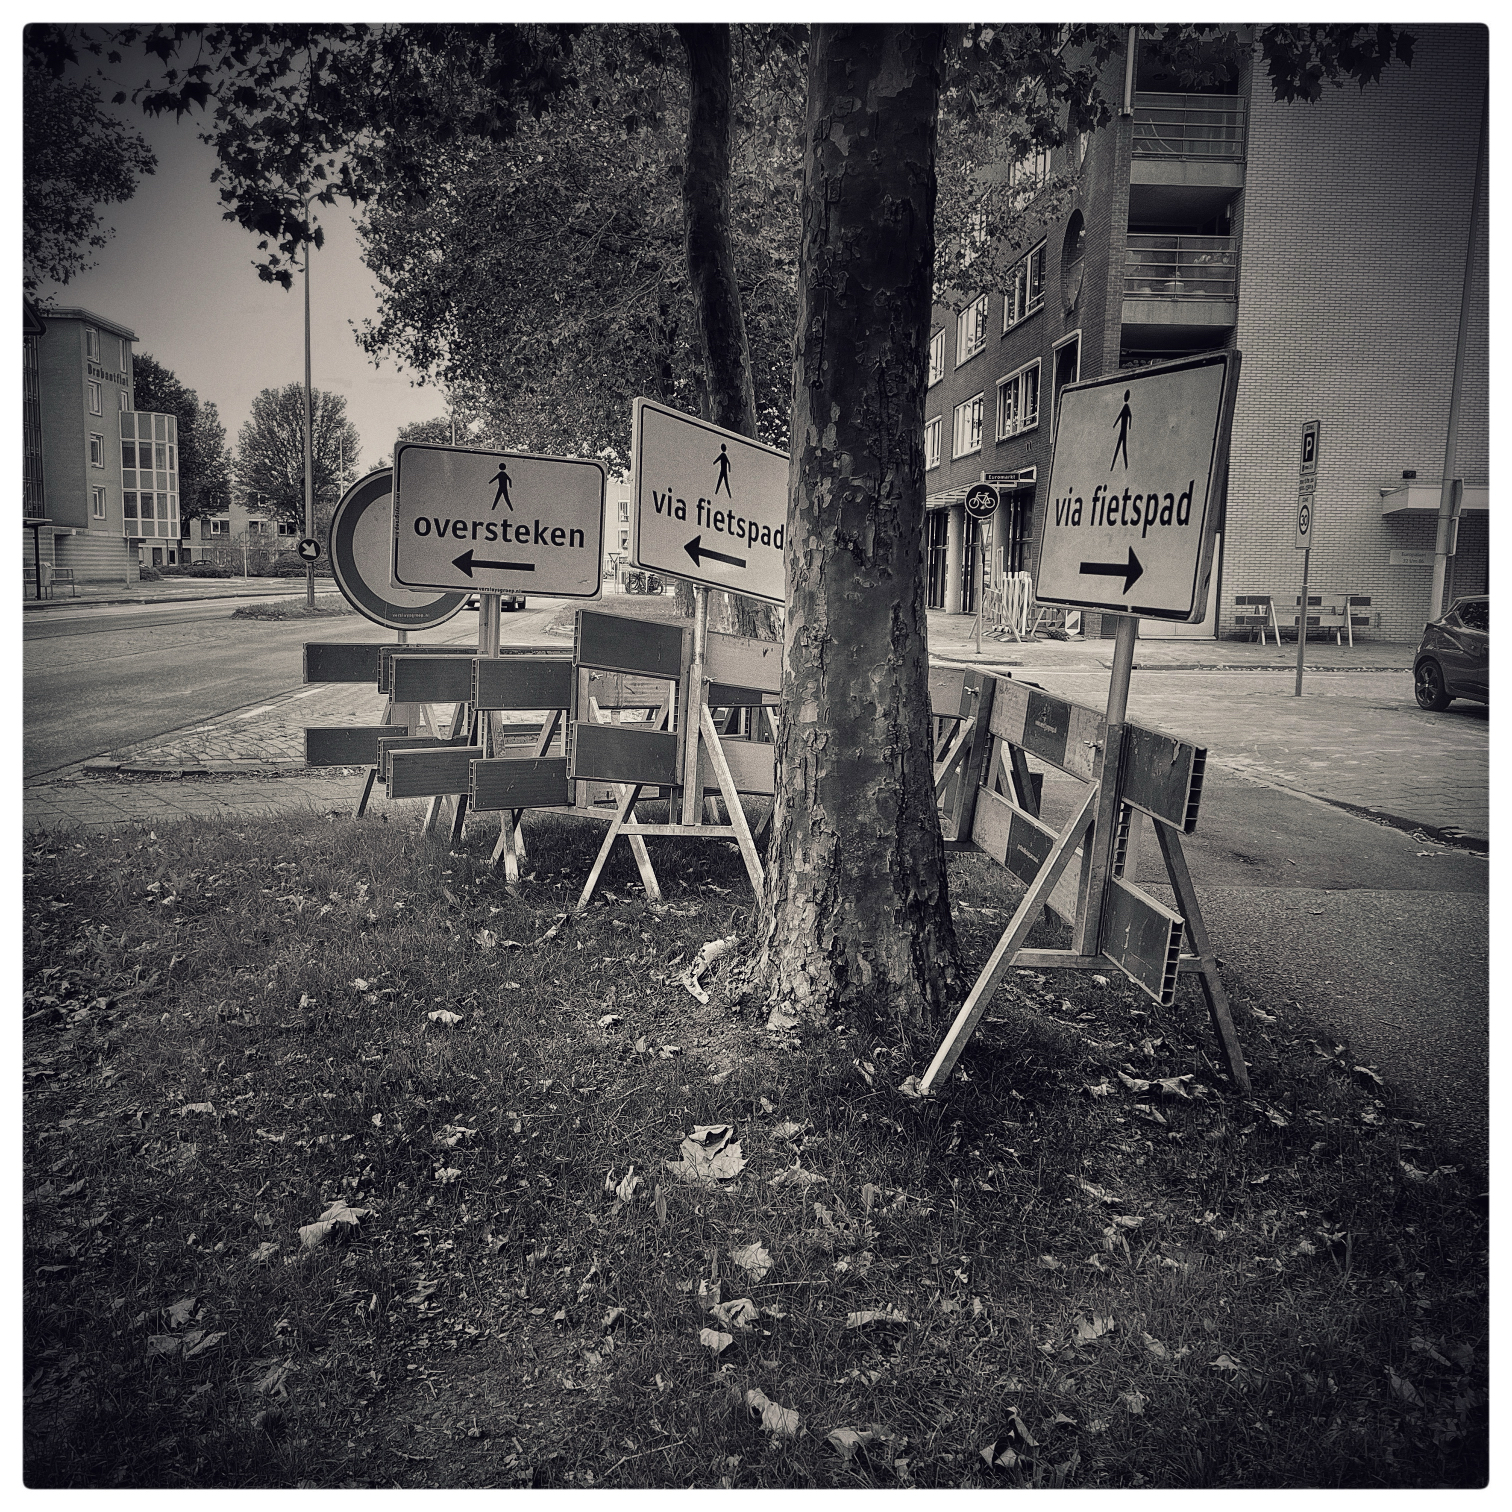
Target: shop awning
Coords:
[(1424, 497)]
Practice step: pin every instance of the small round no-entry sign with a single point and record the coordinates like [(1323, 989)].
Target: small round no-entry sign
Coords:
[(360, 540)]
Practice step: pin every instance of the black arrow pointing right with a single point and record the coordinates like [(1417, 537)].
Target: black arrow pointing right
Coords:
[(467, 561), (1130, 571)]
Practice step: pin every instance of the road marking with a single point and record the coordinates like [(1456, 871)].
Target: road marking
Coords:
[(253, 713)]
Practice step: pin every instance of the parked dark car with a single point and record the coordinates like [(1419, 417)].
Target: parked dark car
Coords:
[(1454, 657), (508, 602)]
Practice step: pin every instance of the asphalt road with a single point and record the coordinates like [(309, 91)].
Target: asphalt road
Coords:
[(102, 677)]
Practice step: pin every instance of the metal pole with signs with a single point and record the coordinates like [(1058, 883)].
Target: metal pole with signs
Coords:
[(1307, 525), (982, 501), (1136, 488)]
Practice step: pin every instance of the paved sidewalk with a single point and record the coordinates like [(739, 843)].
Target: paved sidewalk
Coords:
[(1355, 738)]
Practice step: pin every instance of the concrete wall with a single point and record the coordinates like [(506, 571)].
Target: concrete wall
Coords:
[(1355, 219)]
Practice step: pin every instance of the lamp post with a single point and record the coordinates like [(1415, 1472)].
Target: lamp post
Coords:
[(309, 471)]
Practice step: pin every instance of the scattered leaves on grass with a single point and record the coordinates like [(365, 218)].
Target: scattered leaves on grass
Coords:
[(753, 1260), (1089, 1330), (199, 1107), (443, 1016), (710, 1155), (1226, 1362), (780, 1422), (741, 1314), (795, 1175), (888, 1316), (1134, 1401), (711, 1338), (337, 1214)]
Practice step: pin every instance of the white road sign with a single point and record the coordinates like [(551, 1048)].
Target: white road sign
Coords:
[(1135, 490), (497, 522), (1307, 488), (710, 505)]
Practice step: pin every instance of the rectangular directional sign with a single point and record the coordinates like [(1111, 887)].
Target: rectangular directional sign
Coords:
[(1135, 491), (1307, 488), (497, 522), (710, 505)]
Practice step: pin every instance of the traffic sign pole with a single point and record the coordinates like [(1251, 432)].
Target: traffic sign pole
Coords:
[(1302, 624)]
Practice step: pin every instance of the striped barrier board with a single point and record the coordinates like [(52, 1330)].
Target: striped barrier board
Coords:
[(1058, 732), (386, 655), (388, 744), (519, 782), (430, 679), (1162, 776), (1142, 938), (325, 662), (535, 682), (616, 643)]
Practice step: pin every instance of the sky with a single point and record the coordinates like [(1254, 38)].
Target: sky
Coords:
[(183, 280)]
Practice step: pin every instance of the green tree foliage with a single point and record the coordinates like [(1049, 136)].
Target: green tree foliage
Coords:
[(203, 457), (270, 450), (75, 157), (547, 277)]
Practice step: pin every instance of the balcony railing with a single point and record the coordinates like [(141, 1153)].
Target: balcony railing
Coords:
[(1207, 128), (1179, 267)]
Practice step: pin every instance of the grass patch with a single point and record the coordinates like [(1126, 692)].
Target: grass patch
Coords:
[(293, 609), (1088, 1259)]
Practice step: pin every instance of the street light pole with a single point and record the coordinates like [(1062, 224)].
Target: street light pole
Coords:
[(309, 471)]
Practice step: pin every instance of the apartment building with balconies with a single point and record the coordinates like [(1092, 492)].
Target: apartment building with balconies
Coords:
[(1327, 242), (107, 483)]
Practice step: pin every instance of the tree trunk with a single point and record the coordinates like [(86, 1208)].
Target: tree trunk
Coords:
[(728, 391), (858, 911)]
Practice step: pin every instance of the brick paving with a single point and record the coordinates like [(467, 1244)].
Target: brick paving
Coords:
[(1356, 737)]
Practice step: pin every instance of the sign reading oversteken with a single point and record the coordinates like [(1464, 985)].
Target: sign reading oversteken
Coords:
[(1135, 490), (710, 504), (498, 522)]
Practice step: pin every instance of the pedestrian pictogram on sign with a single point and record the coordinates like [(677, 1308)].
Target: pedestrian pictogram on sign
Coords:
[(1136, 484), (450, 532), (710, 504), (309, 549)]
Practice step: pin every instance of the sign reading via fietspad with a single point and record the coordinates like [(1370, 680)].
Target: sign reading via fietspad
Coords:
[(710, 504), (497, 522), (1135, 491)]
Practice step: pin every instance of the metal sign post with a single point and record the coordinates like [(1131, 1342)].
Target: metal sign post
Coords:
[(1307, 524), (982, 505)]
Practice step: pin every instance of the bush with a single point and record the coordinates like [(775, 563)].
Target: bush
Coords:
[(295, 567), (149, 574), (208, 570)]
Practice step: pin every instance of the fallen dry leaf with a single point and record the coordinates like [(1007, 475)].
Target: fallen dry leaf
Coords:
[(887, 1315), (712, 1339), (442, 1016), (780, 1422), (795, 1175), (753, 1260)]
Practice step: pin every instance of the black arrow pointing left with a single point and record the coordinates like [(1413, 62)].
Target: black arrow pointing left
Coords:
[(467, 561), (1130, 571), (696, 551)]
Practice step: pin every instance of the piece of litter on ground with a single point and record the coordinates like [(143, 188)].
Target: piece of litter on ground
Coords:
[(711, 952)]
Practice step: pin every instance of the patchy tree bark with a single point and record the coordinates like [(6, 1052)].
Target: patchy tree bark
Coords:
[(729, 391), (858, 912)]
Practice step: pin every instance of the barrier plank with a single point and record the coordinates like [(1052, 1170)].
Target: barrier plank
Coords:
[(402, 743), (520, 682), (752, 765), (1163, 776), (1059, 732), (621, 690), (350, 745), (1021, 843), (947, 693), (617, 643), (431, 679), (434, 772), (386, 655), (516, 782), (1142, 938), (742, 662), (327, 662), (610, 753)]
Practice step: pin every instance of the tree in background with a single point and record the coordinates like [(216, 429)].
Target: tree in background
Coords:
[(75, 157), (270, 451), (203, 456)]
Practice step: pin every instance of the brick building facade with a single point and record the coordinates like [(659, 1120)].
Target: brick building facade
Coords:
[(1327, 242)]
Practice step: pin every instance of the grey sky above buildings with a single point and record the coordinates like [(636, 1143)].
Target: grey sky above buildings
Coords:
[(182, 278)]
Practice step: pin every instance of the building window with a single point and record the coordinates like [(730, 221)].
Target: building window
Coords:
[(286, 529), (1018, 402), (967, 431), (1026, 289), (932, 443), (129, 510), (976, 234), (96, 404), (971, 330), (125, 356), (624, 509), (91, 344), (96, 450), (255, 527), (217, 527), (97, 503), (125, 401), (937, 356), (1027, 176), (624, 540)]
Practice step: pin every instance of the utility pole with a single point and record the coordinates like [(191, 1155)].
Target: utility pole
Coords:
[(309, 471)]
